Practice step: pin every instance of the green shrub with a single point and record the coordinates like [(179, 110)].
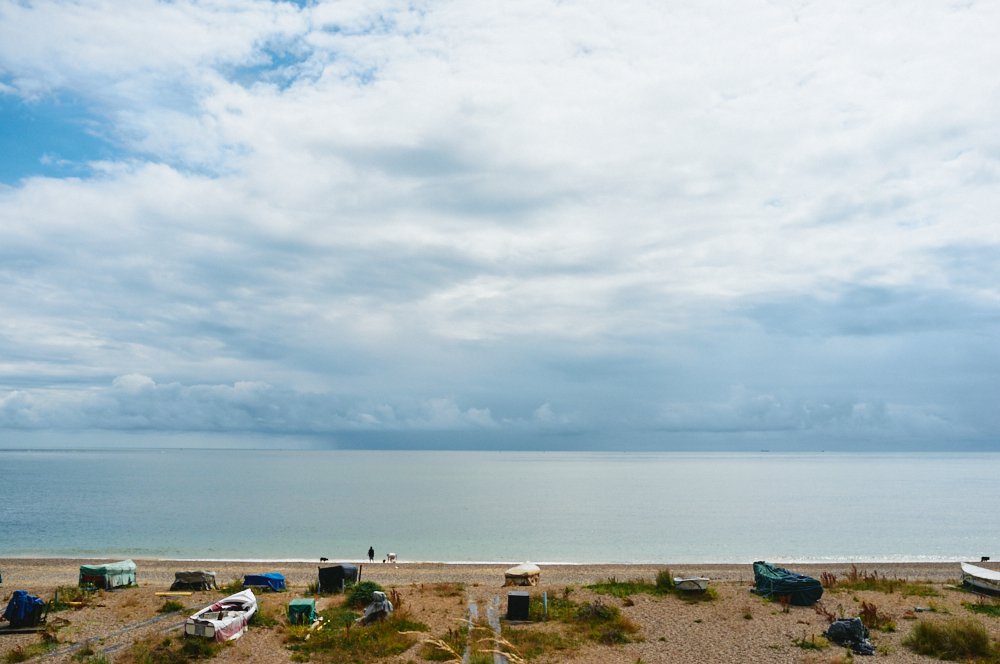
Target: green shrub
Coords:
[(361, 594), (954, 639), (170, 606)]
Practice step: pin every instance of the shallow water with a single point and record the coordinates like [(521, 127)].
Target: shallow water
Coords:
[(499, 506)]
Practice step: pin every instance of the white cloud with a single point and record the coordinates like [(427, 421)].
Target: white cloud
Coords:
[(443, 215)]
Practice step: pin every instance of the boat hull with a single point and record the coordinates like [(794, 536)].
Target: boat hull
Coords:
[(694, 584), (225, 620)]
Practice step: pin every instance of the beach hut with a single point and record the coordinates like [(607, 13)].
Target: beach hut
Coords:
[(525, 574), (333, 579), (108, 575), (194, 580), (776, 582), (302, 612), (273, 581)]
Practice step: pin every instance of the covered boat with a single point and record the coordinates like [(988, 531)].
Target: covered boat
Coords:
[(225, 620), (333, 579), (108, 575), (776, 582), (525, 574), (980, 580), (691, 584), (194, 580), (273, 581)]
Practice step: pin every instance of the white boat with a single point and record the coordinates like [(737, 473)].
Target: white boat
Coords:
[(980, 579), (525, 574), (691, 584), (225, 620)]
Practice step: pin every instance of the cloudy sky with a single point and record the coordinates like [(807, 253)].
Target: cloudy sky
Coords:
[(571, 224)]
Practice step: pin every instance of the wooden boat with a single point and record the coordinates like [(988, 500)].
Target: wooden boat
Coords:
[(225, 620), (980, 579), (691, 584)]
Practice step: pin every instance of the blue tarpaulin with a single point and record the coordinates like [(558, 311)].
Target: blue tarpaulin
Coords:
[(269, 581), (24, 610)]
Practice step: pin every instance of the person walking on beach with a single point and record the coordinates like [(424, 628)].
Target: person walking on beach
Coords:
[(371, 554)]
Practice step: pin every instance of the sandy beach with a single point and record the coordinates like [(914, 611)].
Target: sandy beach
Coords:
[(736, 627)]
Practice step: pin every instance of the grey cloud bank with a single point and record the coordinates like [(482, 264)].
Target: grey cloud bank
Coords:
[(563, 225)]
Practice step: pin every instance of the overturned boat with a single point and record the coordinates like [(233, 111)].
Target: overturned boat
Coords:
[(225, 620), (525, 574), (980, 579), (691, 584)]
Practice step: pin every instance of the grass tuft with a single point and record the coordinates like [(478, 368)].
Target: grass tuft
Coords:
[(954, 639)]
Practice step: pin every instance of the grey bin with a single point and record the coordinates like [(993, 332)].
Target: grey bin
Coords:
[(517, 605)]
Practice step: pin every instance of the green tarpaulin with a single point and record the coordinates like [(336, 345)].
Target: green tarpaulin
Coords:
[(108, 575), (777, 582), (302, 611)]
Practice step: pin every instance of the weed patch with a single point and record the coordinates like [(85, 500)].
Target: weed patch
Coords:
[(954, 639), (341, 640), (171, 606)]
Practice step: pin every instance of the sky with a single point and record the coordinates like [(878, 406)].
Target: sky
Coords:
[(532, 225)]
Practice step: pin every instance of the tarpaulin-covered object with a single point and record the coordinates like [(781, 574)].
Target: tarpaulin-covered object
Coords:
[(851, 633), (302, 611), (333, 579), (525, 574), (225, 620), (108, 575), (24, 610), (379, 609), (194, 580), (776, 582), (274, 581)]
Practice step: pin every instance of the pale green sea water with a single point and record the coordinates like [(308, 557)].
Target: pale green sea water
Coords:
[(499, 506)]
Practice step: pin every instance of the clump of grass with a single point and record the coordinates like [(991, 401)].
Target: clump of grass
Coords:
[(604, 624), (623, 589), (664, 585), (828, 580), (66, 594), (536, 643), (168, 651), (264, 616), (813, 642), (171, 606), (235, 585), (992, 609), (747, 613), (664, 581), (954, 639), (448, 589), (875, 619), (856, 580)]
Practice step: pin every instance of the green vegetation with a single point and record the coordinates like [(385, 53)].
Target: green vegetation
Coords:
[(171, 606), (813, 642), (664, 585), (360, 595), (985, 609), (875, 619), (954, 639), (856, 580), (235, 585), (169, 651), (66, 594), (340, 640), (24, 653)]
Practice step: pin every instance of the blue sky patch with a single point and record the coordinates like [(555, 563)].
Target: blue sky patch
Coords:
[(55, 137)]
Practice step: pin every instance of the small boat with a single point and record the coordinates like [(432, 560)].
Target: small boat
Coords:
[(525, 574), (980, 579), (225, 620), (691, 584)]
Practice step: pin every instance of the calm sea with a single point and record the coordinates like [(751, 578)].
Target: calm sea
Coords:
[(499, 506)]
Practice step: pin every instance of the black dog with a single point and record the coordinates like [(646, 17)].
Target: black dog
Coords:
[(984, 559), (323, 560)]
